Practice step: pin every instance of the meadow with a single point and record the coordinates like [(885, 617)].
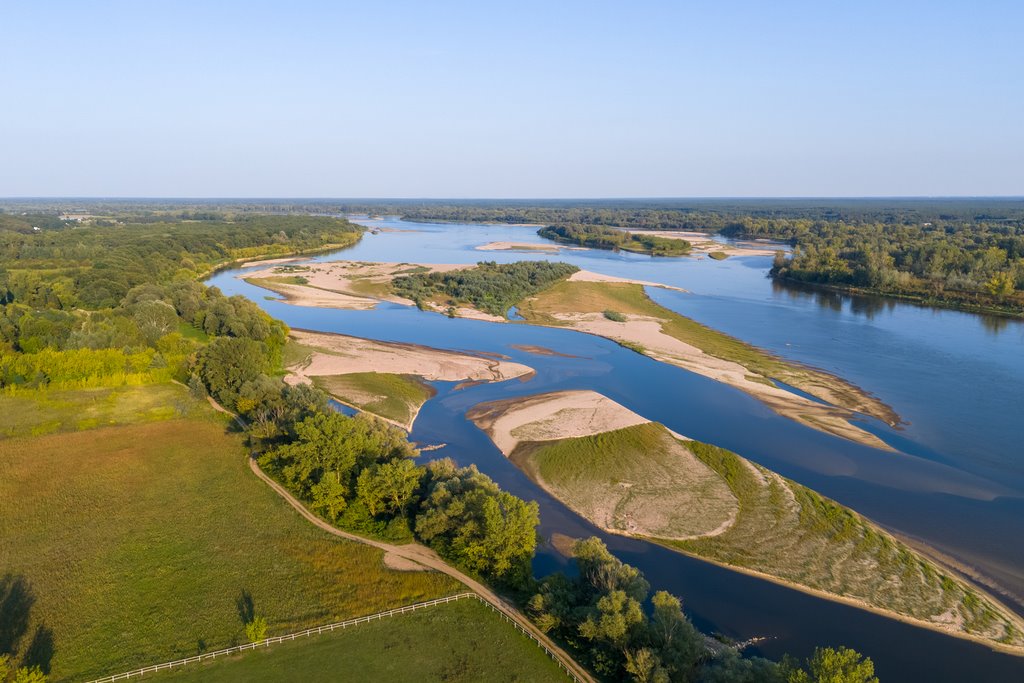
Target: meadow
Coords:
[(146, 542), (460, 641), (396, 398)]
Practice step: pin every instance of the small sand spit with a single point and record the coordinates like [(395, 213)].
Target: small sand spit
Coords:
[(552, 416)]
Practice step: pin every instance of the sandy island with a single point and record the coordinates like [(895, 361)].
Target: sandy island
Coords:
[(336, 354), (659, 498), (517, 246), (701, 243)]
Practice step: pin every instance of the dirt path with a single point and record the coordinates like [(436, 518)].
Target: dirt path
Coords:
[(419, 554)]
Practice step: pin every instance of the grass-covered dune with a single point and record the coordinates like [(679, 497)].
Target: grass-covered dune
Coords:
[(396, 398), (460, 641), (128, 545), (705, 501)]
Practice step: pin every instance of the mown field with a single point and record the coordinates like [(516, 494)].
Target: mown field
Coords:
[(397, 398), (460, 641), (128, 545), (630, 299)]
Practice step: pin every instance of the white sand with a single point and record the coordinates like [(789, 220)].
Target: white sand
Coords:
[(548, 417), (590, 276), (517, 246), (702, 243), (337, 354)]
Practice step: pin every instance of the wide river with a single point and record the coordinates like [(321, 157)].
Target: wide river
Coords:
[(956, 379)]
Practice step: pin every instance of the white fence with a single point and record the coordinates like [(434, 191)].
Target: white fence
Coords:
[(323, 629)]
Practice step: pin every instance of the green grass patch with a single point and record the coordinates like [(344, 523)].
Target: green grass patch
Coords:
[(718, 255), (394, 397), (47, 411), (615, 316), (460, 641), (189, 332), (145, 543)]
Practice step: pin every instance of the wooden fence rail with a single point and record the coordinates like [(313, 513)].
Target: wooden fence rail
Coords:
[(316, 630)]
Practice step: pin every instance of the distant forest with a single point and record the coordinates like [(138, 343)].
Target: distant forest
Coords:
[(951, 252)]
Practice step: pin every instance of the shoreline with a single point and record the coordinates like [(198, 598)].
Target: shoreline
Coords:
[(1015, 650)]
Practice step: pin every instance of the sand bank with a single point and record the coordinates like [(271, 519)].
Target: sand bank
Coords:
[(548, 417), (336, 354), (517, 246), (590, 276), (701, 243)]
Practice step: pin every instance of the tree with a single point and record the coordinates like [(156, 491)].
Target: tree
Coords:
[(28, 674), (388, 487), (256, 629), (830, 665)]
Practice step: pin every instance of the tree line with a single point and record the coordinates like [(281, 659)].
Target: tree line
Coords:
[(490, 287)]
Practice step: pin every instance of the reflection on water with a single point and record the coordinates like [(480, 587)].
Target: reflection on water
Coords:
[(958, 484)]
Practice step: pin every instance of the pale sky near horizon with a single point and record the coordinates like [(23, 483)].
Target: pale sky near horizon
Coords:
[(511, 99)]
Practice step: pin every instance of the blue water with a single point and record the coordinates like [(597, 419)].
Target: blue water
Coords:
[(957, 483)]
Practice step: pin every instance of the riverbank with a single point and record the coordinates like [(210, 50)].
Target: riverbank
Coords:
[(782, 532)]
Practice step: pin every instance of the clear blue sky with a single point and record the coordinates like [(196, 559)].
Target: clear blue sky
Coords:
[(516, 99)]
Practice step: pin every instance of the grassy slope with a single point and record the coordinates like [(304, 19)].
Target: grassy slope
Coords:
[(782, 530), (138, 540), (633, 478), (597, 297), (394, 397), (34, 413), (461, 641)]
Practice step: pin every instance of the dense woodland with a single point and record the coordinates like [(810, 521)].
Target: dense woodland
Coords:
[(118, 302), (490, 287)]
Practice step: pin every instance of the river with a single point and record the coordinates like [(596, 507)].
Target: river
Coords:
[(955, 378)]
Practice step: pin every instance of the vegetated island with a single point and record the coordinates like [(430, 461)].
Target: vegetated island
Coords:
[(382, 378), (635, 477), (600, 237), (560, 295)]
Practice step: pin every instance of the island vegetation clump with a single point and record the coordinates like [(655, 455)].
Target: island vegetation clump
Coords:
[(600, 237), (490, 287)]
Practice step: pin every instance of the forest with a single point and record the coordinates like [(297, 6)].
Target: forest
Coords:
[(599, 237), (490, 287)]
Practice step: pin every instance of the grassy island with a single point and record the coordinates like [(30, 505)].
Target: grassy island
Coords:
[(644, 481)]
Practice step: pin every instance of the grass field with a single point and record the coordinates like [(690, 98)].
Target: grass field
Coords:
[(142, 543), (33, 413), (630, 299), (638, 480), (461, 641), (397, 398)]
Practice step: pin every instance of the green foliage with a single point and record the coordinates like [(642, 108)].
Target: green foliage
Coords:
[(830, 665), (615, 316), (600, 614), (468, 519), (599, 237), (256, 629), (718, 255), (490, 287)]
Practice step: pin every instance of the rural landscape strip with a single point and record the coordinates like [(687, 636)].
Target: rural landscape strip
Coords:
[(266, 642), (422, 555)]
